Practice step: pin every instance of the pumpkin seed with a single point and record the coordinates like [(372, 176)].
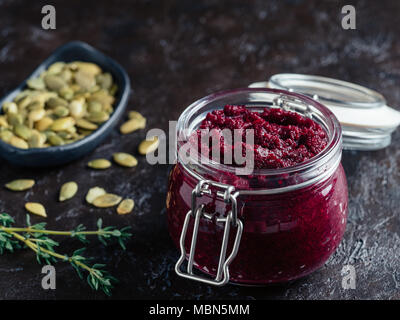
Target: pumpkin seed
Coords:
[(107, 200), (36, 140), (87, 67), (20, 184), (84, 124), (61, 111), (93, 193), (22, 131), (98, 117), (56, 67), (55, 140), (18, 143), (133, 125), (125, 159), (68, 190), (55, 102), (44, 123), (76, 108), (126, 206), (36, 208), (36, 83), (54, 82), (3, 122), (6, 135), (63, 124), (148, 146), (99, 164), (85, 80), (10, 107), (135, 115)]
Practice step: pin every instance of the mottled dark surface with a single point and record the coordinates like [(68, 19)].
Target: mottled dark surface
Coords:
[(176, 52)]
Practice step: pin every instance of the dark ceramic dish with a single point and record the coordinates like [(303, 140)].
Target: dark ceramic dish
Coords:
[(52, 156)]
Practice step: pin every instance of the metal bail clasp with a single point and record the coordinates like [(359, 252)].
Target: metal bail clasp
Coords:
[(222, 277)]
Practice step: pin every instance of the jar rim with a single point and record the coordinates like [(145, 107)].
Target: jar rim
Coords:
[(334, 131)]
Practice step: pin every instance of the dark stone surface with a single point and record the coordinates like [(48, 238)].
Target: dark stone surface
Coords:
[(176, 52)]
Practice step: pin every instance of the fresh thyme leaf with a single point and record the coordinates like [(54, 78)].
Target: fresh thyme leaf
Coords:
[(36, 237)]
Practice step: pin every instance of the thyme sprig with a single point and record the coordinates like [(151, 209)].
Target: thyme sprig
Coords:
[(36, 237)]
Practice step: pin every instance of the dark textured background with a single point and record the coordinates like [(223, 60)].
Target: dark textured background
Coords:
[(175, 53)]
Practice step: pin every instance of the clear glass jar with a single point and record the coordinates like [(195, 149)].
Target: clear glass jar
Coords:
[(274, 225)]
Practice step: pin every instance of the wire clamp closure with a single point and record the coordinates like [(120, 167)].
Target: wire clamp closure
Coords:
[(197, 212)]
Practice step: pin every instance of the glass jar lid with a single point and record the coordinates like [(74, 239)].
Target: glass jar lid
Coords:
[(367, 122)]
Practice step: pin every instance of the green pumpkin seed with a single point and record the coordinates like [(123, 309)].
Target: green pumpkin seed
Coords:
[(6, 135), (10, 107), (18, 143), (98, 117), (126, 206), (104, 81), (132, 125), (14, 118), (20, 184), (54, 83), (76, 108), (61, 111), (125, 159), (68, 190), (95, 106), (86, 67), (55, 140), (63, 124), (36, 140), (93, 193), (56, 102), (135, 115), (148, 146), (99, 164), (36, 83), (85, 80), (107, 200), (84, 124), (36, 208), (3, 122), (56, 67), (44, 123)]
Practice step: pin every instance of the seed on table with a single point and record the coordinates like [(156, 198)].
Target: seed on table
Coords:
[(132, 125), (68, 190), (150, 145), (107, 200), (93, 193), (99, 164), (126, 206), (18, 143), (125, 159), (36, 208), (20, 184), (135, 115)]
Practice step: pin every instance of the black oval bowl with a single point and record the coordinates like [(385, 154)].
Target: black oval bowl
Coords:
[(52, 156)]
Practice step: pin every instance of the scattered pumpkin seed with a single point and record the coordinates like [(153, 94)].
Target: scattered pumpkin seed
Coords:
[(99, 164), (20, 184), (107, 200), (36, 208), (125, 159), (149, 145), (93, 193), (133, 125), (126, 206), (68, 190)]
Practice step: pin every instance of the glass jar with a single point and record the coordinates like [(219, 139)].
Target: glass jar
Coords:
[(271, 226)]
